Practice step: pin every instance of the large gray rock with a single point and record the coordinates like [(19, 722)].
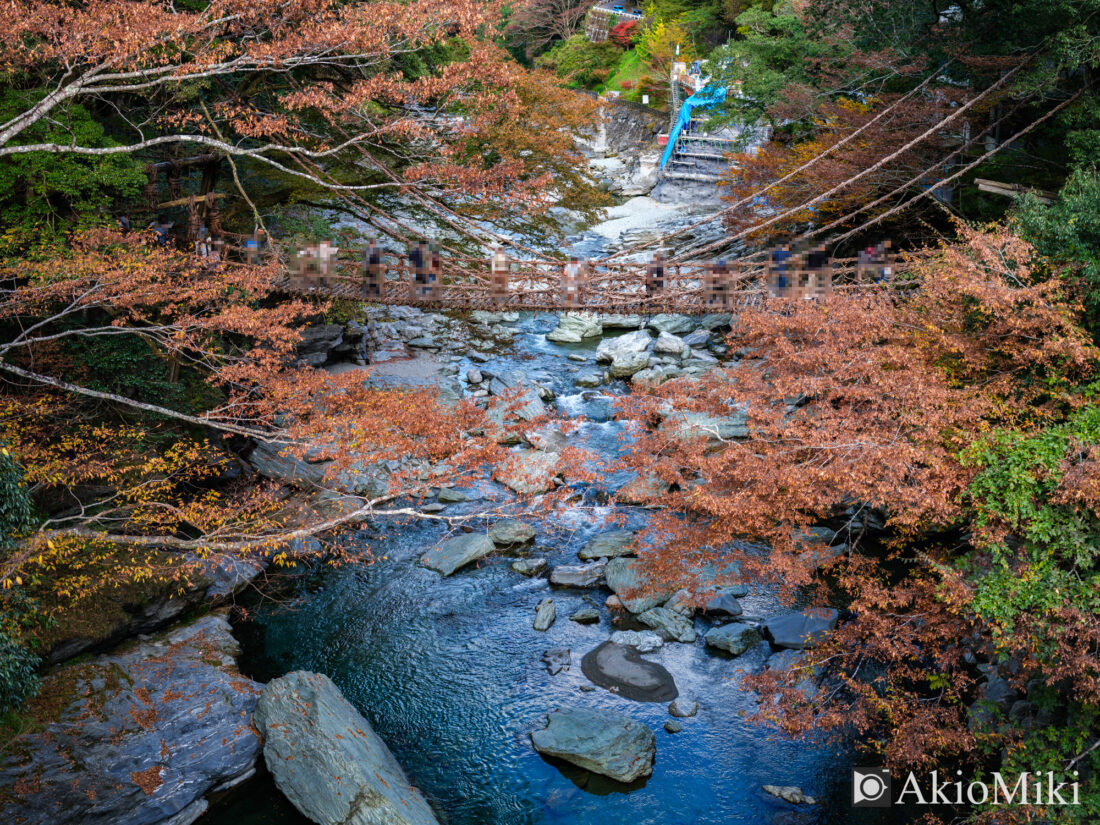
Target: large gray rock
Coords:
[(573, 327), (622, 321), (675, 324), (725, 604), (627, 364), (457, 552), (609, 545), (518, 399), (529, 567), (601, 741), (269, 461), (318, 342), (628, 580), (577, 575), (642, 490), (137, 737), (669, 625), (622, 670), (612, 348), (801, 631), (528, 473), (669, 344), (511, 531), (734, 638), (686, 425), (326, 759)]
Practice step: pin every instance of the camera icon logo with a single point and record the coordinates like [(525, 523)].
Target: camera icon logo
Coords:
[(870, 788)]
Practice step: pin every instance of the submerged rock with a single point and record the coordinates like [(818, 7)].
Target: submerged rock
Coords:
[(326, 759), (136, 737), (545, 614), (621, 669), (601, 741), (733, 638), (457, 552), (609, 545), (556, 660), (789, 793), (511, 531), (803, 630), (672, 726)]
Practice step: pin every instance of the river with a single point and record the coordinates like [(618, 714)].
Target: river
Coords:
[(448, 671)]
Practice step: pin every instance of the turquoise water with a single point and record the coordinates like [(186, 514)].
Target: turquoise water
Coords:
[(447, 672)]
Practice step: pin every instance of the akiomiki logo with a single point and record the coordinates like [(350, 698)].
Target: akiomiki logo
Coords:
[(873, 788)]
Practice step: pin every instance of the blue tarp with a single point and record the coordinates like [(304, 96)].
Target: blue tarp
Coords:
[(704, 98)]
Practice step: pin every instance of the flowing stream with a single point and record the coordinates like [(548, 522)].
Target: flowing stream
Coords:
[(447, 670)]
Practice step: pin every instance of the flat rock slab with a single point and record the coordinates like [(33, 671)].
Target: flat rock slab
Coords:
[(457, 552), (621, 668), (577, 575), (801, 631), (327, 760), (668, 624), (609, 545), (600, 741), (138, 736), (511, 531)]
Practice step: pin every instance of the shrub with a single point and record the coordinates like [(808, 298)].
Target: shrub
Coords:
[(622, 34), (579, 60), (18, 680)]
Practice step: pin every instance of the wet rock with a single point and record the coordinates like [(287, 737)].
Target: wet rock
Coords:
[(645, 641), (529, 472), (626, 365), (511, 531), (601, 741), (529, 567), (725, 604), (631, 343), (556, 660), (733, 638), (789, 793), (622, 670), (800, 631), (672, 726), (668, 344), (609, 545), (586, 615), (669, 625), (138, 737), (457, 552), (574, 327), (627, 578), (326, 759), (675, 324), (683, 707), (545, 614), (577, 575)]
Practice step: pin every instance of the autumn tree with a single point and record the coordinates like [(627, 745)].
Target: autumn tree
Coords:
[(536, 24)]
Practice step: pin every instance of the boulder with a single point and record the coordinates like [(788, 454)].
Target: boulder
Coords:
[(627, 364), (800, 631), (668, 344), (621, 669), (602, 741), (612, 348), (135, 737), (269, 461), (699, 338), (474, 375), (518, 398), (683, 707), (326, 759), (529, 567), (457, 552), (577, 575), (574, 327), (545, 614), (627, 579), (642, 490), (622, 321), (669, 625), (672, 726), (511, 531), (449, 495), (318, 342), (586, 615), (529, 472), (675, 324), (733, 638), (721, 320), (716, 429), (682, 602), (789, 793), (556, 660), (725, 604), (588, 379), (644, 641), (609, 545)]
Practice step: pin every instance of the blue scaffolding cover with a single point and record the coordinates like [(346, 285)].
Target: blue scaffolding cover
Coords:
[(705, 98)]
